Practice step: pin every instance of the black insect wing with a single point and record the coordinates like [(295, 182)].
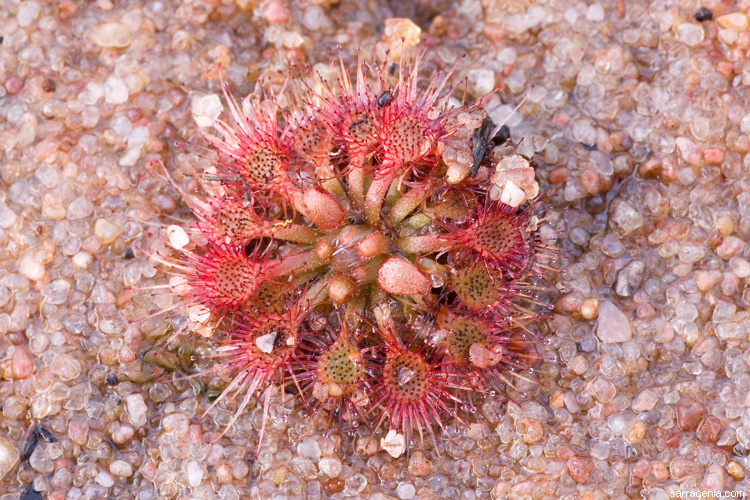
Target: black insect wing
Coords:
[(481, 143), (46, 435), (31, 444)]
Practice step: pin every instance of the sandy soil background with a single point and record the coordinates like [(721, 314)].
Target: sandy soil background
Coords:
[(638, 126)]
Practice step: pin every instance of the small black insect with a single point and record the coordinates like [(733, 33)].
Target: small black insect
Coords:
[(703, 14), (111, 379), (46, 435), (384, 99), (128, 253), (502, 136), (33, 440), (31, 444), (481, 142)]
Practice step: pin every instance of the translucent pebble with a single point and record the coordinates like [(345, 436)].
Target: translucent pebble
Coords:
[(31, 55), (115, 90), (105, 479), (14, 407), (105, 231), (579, 236), (130, 156), (406, 491), (28, 130), (194, 473), (689, 151), (367, 446), (612, 325), (571, 15), (7, 216), (600, 451), (394, 443), (27, 13), (21, 364), (79, 208), (313, 490), (100, 295), (516, 81), (91, 94), (506, 56), (505, 114), (5, 295), (690, 34), (620, 422), (177, 236), (737, 21), (82, 260), (109, 35), (330, 466), (512, 195), (481, 81), (31, 267), (39, 461), (687, 312), (176, 424), (354, 485), (9, 456), (603, 390), (740, 267), (602, 162), (730, 247), (89, 117), (56, 293), (309, 448), (205, 109), (437, 482), (405, 375), (265, 342), (131, 275), (138, 136), (121, 468), (47, 175), (66, 367), (399, 33), (275, 12), (314, 18), (690, 254), (74, 323), (625, 219), (121, 125), (121, 433), (584, 132), (595, 13), (731, 331), (137, 410)]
